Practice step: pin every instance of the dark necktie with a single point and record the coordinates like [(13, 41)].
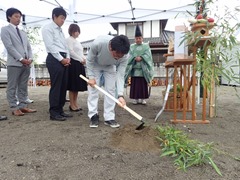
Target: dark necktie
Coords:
[(19, 34)]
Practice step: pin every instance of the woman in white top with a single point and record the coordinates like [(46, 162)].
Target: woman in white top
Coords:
[(75, 83)]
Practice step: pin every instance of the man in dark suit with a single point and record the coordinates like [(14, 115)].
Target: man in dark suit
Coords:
[(19, 59), (57, 61)]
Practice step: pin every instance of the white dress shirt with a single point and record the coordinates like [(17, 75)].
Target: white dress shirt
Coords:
[(54, 40)]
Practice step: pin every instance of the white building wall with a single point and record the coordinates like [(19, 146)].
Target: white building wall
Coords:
[(122, 29), (150, 29), (155, 28), (147, 29)]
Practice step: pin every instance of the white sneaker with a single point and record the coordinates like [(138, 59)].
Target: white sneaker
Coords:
[(144, 102), (29, 101), (135, 101)]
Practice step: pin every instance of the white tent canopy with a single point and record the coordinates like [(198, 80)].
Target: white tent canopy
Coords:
[(38, 12)]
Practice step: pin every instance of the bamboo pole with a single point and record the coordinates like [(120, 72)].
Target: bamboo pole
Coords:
[(212, 96)]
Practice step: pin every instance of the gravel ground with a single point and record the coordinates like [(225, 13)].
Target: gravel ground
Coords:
[(33, 147)]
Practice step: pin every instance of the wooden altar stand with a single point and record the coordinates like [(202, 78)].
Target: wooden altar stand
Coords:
[(187, 82), (169, 64)]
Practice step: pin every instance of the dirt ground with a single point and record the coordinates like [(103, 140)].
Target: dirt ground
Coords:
[(33, 147)]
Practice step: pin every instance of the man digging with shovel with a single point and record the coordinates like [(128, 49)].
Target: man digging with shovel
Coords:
[(106, 59)]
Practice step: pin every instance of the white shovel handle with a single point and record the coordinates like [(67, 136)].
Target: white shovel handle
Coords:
[(114, 99)]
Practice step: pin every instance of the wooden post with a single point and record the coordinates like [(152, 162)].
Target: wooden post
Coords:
[(175, 93), (184, 92)]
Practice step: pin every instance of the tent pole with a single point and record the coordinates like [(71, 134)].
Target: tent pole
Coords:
[(130, 2)]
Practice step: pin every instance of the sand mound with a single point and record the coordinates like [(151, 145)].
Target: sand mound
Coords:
[(127, 138)]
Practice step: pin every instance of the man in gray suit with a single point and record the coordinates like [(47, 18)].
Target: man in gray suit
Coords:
[(19, 59)]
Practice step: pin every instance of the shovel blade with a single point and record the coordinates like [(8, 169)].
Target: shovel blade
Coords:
[(140, 127)]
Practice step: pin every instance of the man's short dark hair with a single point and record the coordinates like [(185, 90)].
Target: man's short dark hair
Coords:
[(120, 44), (73, 28), (12, 11), (58, 11)]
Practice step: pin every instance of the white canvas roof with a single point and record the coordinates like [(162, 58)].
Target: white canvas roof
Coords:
[(38, 12)]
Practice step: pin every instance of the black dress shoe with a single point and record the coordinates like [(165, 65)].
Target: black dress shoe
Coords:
[(3, 118), (73, 110), (57, 118), (66, 115)]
